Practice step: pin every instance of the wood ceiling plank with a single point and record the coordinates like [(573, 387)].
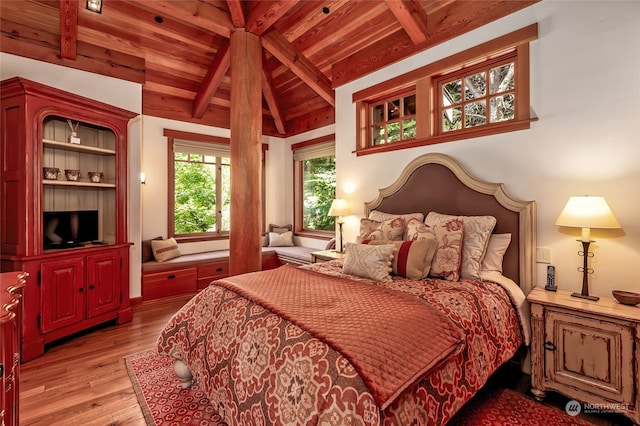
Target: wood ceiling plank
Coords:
[(68, 28), (264, 15), (443, 24), (31, 43), (194, 13), (216, 72), (136, 21), (310, 121), (412, 18), (307, 17), (279, 47)]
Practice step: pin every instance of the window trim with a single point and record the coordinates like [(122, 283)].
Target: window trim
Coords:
[(423, 80), (297, 189), (171, 136)]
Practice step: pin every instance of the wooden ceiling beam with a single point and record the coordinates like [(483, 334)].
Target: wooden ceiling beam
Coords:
[(266, 13), (412, 18), (216, 72), (284, 51), (237, 13), (269, 94), (68, 29)]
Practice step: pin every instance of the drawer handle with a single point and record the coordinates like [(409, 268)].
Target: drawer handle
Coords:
[(549, 346), (2, 372), (219, 270), (171, 277)]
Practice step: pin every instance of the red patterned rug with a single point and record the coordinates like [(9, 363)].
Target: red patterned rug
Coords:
[(164, 402)]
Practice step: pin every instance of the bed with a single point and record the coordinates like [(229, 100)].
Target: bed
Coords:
[(344, 342)]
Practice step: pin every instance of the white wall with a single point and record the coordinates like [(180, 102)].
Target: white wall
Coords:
[(585, 88), (119, 93)]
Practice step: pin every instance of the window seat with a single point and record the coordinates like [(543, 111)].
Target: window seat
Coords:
[(193, 272)]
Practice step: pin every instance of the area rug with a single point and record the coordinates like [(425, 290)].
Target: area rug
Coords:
[(164, 402)]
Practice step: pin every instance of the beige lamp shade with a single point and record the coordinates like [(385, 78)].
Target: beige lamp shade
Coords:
[(587, 212), (340, 207)]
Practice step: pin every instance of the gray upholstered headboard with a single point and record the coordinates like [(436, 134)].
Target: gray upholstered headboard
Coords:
[(437, 182)]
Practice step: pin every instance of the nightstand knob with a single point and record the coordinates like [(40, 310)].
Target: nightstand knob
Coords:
[(549, 346)]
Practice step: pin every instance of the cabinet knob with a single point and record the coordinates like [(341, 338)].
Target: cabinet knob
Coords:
[(91, 287), (549, 346), (219, 270), (81, 289), (171, 277)]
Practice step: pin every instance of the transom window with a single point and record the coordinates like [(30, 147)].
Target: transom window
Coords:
[(394, 119), (481, 91), (477, 97)]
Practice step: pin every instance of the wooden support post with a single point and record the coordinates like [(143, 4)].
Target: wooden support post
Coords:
[(246, 153)]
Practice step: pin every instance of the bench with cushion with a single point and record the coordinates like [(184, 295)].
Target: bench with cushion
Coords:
[(191, 272)]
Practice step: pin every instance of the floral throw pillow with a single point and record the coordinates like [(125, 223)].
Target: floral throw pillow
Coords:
[(449, 235), (477, 230), (391, 229)]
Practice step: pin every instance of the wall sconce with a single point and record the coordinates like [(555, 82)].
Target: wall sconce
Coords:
[(143, 178), (94, 6), (340, 207), (587, 212)]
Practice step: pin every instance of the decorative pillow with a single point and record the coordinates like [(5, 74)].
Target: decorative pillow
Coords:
[(368, 261), (391, 229), (147, 252), (411, 259), (280, 229), (382, 216), (449, 236), (497, 247), (281, 240), (477, 230), (165, 249)]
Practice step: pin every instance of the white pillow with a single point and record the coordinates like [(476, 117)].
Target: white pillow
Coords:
[(368, 261), (477, 230), (284, 239), (498, 244), (165, 249)]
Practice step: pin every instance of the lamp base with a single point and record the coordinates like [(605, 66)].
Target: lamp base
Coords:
[(582, 296)]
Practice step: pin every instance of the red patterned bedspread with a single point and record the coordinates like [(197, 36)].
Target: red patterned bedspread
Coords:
[(258, 368)]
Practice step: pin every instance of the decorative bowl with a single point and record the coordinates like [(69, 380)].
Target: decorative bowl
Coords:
[(72, 174), (50, 173), (95, 177), (626, 297)]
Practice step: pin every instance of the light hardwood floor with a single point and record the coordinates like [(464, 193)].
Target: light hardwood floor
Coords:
[(83, 380)]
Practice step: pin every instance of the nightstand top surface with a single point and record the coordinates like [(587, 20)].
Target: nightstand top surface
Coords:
[(606, 306)]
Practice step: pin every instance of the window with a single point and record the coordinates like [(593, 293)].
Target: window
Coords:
[(314, 185), (393, 120), (478, 92), (199, 186), (477, 97)]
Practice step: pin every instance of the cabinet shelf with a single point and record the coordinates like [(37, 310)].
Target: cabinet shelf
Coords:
[(77, 147), (78, 184)]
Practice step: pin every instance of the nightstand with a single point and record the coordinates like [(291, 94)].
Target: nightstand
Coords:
[(325, 256), (586, 350)]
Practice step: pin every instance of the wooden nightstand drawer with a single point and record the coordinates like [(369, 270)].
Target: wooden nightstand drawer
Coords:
[(169, 283)]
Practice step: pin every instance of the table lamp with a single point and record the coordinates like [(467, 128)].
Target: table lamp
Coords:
[(587, 212), (340, 207)]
